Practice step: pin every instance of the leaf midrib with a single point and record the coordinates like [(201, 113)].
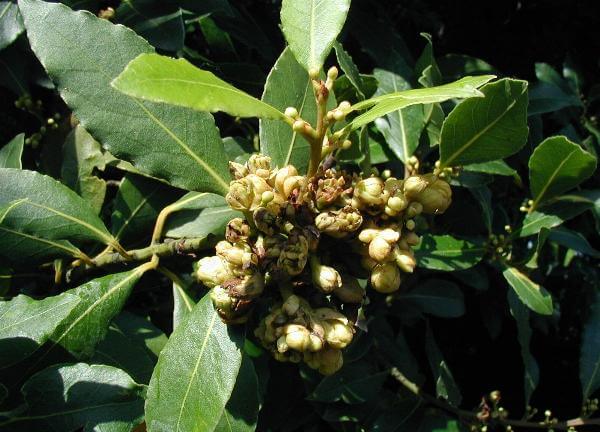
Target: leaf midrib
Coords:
[(74, 251), (541, 194), (45, 311)]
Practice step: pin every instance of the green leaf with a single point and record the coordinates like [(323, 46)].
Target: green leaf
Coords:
[(25, 324), (79, 52), (241, 411), (354, 383), (556, 166), (311, 26), (532, 263), (381, 105), (101, 300), (497, 167), (143, 331), (136, 207), (445, 385), (437, 297), (573, 240), (198, 215), (589, 360), (486, 129), (124, 346), (483, 195), (80, 397), (178, 82), (195, 374), (183, 304), (402, 128), (160, 23), (551, 93), (534, 296), (11, 23), (349, 68), (10, 154), (51, 210), (82, 154), (448, 253), (288, 86), (531, 371)]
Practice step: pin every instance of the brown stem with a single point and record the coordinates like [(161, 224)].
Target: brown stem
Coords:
[(470, 415)]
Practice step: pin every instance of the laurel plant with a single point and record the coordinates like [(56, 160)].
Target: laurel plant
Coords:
[(295, 264)]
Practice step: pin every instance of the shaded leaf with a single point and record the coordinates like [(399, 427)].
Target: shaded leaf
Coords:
[(349, 68), (310, 28), (445, 385), (10, 154), (486, 129), (556, 166), (573, 240), (185, 394), (447, 253), (78, 50), (25, 324), (11, 23), (90, 397), (534, 296), (589, 360), (497, 167), (437, 297)]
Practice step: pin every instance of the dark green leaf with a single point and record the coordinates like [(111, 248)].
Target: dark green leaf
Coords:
[(79, 51), (241, 411), (10, 154), (497, 167), (82, 154), (556, 166), (349, 68), (11, 23), (521, 315), (182, 305), (589, 361), (454, 66), (483, 195), (288, 86), (80, 397), (101, 300), (573, 240), (448, 253), (51, 210), (486, 129), (437, 297), (310, 27), (195, 374), (176, 81), (25, 324), (401, 129), (534, 296), (445, 385)]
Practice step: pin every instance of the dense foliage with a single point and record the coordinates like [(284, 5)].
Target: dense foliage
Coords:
[(248, 216)]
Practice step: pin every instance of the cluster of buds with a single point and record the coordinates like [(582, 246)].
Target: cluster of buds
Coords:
[(293, 236)]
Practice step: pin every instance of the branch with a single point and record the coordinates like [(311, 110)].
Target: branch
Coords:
[(445, 406)]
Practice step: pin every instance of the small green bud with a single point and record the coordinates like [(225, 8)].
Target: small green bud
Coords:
[(397, 203), (332, 73), (346, 144), (411, 238), (344, 106), (379, 249), (414, 209), (385, 278), (410, 224), (291, 112), (298, 126)]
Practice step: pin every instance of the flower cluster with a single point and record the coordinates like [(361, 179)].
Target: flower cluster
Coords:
[(288, 250)]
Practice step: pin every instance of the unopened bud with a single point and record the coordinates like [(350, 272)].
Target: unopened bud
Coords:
[(344, 106), (411, 238), (326, 278), (397, 203), (313, 73), (298, 126), (346, 144), (436, 198), (239, 254), (237, 230), (414, 185), (291, 112), (291, 305), (291, 183), (338, 223), (338, 115), (414, 209), (282, 175), (297, 337), (385, 278), (213, 271), (332, 73), (337, 334), (405, 260), (370, 191), (410, 224), (237, 170)]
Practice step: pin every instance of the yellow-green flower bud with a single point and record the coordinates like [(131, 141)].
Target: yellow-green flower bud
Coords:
[(260, 165), (220, 298), (338, 223), (291, 112), (324, 277), (411, 238), (237, 230), (337, 334), (316, 343), (385, 278), (292, 183), (397, 203), (237, 170), (213, 271), (370, 192), (405, 260), (414, 208), (297, 337), (436, 198), (282, 345), (247, 287), (380, 248), (283, 174), (239, 254), (414, 185)]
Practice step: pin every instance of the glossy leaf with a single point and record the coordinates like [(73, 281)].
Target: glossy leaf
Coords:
[(556, 166), (82, 154), (531, 370), (51, 210), (80, 397), (10, 154), (195, 374), (241, 411), (534, 296), (381, 105), (497, 167), (25, 324), (447, 253), (287, 85), (486, 129), (11, 23), (437, 297), (176, 81), (402, 128), (182, 305), (172, 143), (589, 361), (101, 300), (349, 68), (445, 385), (311, 26), (198, 215)]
